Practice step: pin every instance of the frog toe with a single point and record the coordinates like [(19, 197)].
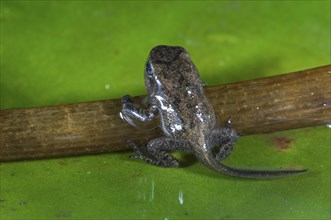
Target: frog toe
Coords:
[(169, 162), (174, 163), (136, 155)]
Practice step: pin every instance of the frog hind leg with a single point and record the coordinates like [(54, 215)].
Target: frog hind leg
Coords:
[(227, 138), (156, 151), (223, 141)]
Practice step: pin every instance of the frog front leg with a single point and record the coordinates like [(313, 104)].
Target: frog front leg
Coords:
[(132, 111), (156, 151)]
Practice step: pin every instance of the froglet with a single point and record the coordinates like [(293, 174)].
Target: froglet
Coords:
[(176, 96)]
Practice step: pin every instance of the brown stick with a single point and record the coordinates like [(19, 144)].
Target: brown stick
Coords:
[(271, 104)]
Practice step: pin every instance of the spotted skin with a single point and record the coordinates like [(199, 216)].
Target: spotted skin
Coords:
[(175, 94)]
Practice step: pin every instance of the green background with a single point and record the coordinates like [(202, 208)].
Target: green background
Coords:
[(58, 52)]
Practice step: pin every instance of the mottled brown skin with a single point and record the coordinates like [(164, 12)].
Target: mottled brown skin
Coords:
[(175, 94), (182, 95)]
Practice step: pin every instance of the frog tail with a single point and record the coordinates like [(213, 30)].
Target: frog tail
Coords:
[(209, 160)]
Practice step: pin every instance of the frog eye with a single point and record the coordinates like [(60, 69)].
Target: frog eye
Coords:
[(149, 69)]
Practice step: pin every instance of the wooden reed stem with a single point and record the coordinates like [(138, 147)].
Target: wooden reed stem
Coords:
[(282, 102)]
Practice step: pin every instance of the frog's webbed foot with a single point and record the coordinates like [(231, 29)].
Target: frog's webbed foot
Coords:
[(155, 152), (223, 140), (137, 150)]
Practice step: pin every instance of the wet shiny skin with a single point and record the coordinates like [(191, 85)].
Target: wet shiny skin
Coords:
[(175, 95)]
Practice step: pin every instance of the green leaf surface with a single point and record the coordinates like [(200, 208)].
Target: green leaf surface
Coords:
[(57, 52)]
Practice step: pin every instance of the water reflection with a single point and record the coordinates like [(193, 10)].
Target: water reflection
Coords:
[(152, 193), (142, 194), (147, 190)]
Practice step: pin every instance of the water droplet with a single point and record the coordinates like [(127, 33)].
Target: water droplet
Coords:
[(181, 197), (107, 86)]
